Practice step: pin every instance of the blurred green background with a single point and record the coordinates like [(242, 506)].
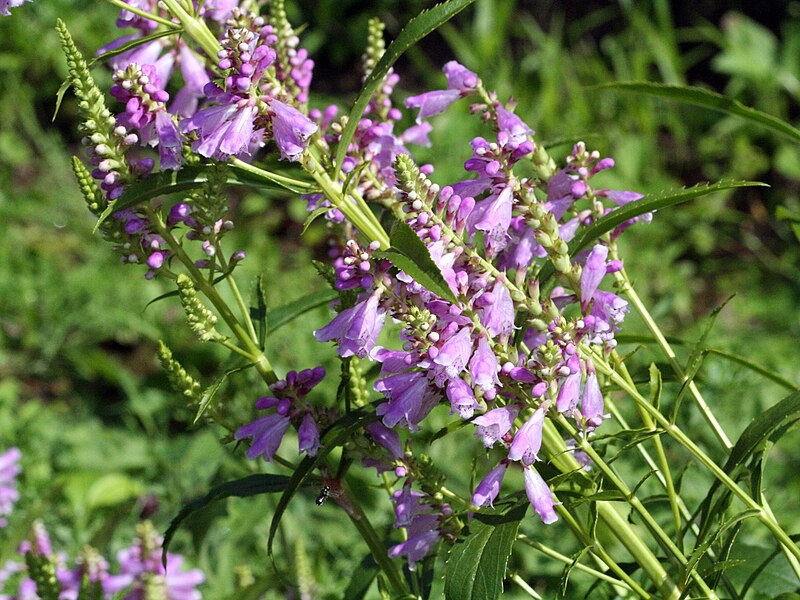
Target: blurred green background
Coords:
[(80, 389)]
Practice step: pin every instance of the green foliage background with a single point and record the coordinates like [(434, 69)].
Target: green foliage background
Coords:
[(80, 390)]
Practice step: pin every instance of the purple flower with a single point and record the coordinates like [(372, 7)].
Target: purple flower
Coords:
[(267, 433), (9, 469), (407, 505), (291, 129), (170, 141), (454, 355), (225, 129), (410, 399), (386, 438), (432, 103), (5, 5), (510, 123), (355, 329), (540, 496), (459, 77), (593, 272), (528, 440), (569, 393), (592, 402), (494, 424), (493, 217), (460, 82), (498, 317), (422, 537), (195, 79), (308, 435), (462, 398), (488, 489), (483, 368)]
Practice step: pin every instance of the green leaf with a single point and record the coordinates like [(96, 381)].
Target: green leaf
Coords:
[(696, 358), (211, 391), (706, 99), (656, 385), (416, 29), (313, 217), (62, 89), (767, 428), (134, 44), (644, 205), (334, 436), (252, 485), (476, 565), (288, 312), (193, 177), (568, 569), (362, 579), (259, 312), (409, 254), (647, 204), (701, 549)]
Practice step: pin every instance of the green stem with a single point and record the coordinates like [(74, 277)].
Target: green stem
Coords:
[(547, 551), (676, 433), (789, 551), (389, 567), (262, 364), (196, 29), (664, 469), (644, 557), (627, 287), (361, 217), (282, 180), (525, 587), (143, 13)]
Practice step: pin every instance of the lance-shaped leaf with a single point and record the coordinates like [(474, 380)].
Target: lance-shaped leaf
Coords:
[(410, 254), (334, 436), (194, 177), (476, 565), (211, 391), (287, 313), (252, 485), (122, 49), (649, 203), (707, 99), (416, 29), (765, 429)]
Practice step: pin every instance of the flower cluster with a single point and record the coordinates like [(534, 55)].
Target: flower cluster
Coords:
[(290, 406), (506, 354), (141, 573)]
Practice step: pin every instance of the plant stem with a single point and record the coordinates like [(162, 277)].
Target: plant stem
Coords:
[(565, 462), (389, 567), (790, 551), (570, 561), (196, 29), (262, 364), (143, 13), (525, 587), (675, 432), (664, 469)]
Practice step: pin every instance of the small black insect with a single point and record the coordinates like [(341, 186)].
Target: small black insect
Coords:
[(323, 495)]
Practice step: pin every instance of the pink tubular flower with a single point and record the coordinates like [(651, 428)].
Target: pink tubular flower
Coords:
[(498, 317), (9, 469), (593, 272), (355, 329), (592, 402), (540, 496), (489, 488), (494, 424), (568, 393), (422, 537), (410, 399), (528, 440), (267, 433), (454, 355), (5, 5), (291, 129), (308, 435), (460, 82), (483, 368), (462, 398)]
